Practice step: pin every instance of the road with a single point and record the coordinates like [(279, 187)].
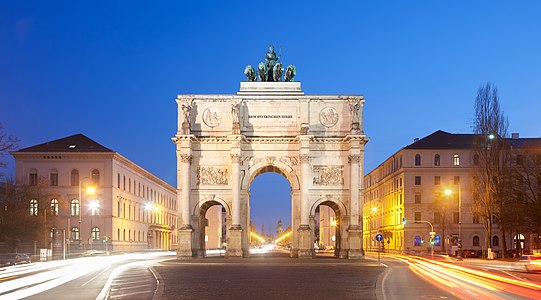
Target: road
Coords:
[(124, 276), (161, 276)]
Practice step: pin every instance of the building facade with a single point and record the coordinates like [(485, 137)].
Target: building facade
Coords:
[(425, 187), (99, 199)]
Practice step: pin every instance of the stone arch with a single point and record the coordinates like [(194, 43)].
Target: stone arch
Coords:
[(200, 212), (209, 201), (332, 202), (342, 222), (277, 167)]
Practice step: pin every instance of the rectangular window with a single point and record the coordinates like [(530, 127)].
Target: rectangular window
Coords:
[(417, 180), (437, 218), (437, 180), (417, 197), (457, 180), (456, 160), (54, 179), (475, 219), (124, 183), (417, 216), (33, 179), (455, 217)]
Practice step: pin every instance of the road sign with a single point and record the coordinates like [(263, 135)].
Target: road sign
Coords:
[(379, 237)]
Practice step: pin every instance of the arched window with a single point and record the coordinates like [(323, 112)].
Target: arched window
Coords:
[(95, 177), (476, 241), (437, 160), (75, 233), (54, 207), (74, 178), (495, 241), (437, 240), (417, 159), (75, 208), (33, 207), (95, 233), (456, 160), (417, 241), (53, 178), (476, 159)]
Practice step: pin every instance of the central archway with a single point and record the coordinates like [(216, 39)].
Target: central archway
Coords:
[(270, 212)]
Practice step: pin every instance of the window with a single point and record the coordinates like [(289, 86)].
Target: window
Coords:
[(119, 208), (417, 159), (118, 180), (437, 240), (476, 159), (417, 180), (54, 207), (456, 217), (475, 219), (437, 160), (437, 180), (456, 180), (118, 234), (129, 185), (417, 217), (53, 178), (456, 160), (437, 218), (495, 241), (417, 197), (124, 235), (95, 177), (95, 207), (124, 182), (74, 178), (33, 207), (74, 210), (95, 233), (417, 241), (33, 177), (476, 241), (520, 159), (75, 233)]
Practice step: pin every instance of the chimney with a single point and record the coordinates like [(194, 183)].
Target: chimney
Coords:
[(515, 135), (415, 140)]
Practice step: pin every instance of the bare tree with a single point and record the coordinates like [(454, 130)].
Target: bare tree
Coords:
[(7, 143), (490, 128)]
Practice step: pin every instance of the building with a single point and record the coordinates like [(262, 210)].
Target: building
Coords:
[(425, 187), (98, 198)]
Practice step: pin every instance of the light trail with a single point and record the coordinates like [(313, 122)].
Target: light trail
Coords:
[(465, 283), (40, 277)]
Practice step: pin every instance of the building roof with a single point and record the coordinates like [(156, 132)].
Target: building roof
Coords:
[(444, 140), (526, 143), (74, 143)]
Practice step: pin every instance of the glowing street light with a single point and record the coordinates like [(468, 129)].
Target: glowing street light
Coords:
[(94, 205), (449, 192)]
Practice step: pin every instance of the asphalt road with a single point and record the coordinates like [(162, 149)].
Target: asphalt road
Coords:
[(268, 278)]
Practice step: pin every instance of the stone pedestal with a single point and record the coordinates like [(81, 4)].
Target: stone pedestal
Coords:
[(184, 250), (355, 243), (234, 243), (305, 242)]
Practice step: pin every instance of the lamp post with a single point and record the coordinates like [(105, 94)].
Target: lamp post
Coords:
[(94, 204), (432, 235), (449, 192), (89, 190)]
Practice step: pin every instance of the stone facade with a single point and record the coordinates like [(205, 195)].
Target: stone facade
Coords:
[(136, 211), (315, 141)]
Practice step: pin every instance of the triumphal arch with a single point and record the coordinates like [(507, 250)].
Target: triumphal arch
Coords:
[(315, 141)]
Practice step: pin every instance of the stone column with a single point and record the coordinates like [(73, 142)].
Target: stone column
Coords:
[(234, 246), (304, 231), (355, 230), (185, 231)]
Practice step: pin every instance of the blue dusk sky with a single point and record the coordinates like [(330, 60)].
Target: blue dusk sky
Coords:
[(112, 69)]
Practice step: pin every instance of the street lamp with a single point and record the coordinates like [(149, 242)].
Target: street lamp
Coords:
[(94, 205), (149, 207), (91, 190), (449, 192)]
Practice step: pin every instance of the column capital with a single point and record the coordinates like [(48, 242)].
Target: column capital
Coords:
[(354, 158), (236, 158), (186, 158)]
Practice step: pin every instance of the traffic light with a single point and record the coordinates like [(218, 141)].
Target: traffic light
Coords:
[(403, 221)]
